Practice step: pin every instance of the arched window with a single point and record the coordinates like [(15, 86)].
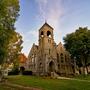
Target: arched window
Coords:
[(48, 33), (40, 64), (65, 58), (57, 57), (42, 34), (58, 66), (49, 51), (62, 59), (40, 67)]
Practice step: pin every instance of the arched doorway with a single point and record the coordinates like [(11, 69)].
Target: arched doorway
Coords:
[(51, 67), (22, 69)]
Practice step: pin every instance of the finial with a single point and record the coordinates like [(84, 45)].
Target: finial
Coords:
[(45, 21)]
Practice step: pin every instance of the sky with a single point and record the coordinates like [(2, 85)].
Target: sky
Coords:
[(65, 16)]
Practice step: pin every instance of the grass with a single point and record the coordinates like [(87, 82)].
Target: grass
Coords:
[(4, 87), (51, 84), (83, 77)]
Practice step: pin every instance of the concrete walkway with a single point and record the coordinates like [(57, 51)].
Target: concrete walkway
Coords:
[(55, 75), (20, 87), (73, 79)]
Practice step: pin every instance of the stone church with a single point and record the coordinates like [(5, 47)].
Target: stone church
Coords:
[(47, 56)]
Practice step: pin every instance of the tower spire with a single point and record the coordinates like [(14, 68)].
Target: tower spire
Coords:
[(45, 21)]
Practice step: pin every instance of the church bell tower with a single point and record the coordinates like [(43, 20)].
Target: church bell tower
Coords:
[(46, 47), (46, 38)]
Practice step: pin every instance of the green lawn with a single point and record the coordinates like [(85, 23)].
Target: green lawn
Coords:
[(50, 84), (83, 77), (4, 88)]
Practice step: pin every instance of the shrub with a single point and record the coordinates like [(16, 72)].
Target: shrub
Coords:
[(27, 73), (14, 72)]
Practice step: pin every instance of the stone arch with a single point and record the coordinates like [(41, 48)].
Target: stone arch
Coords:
[(51, 66), (22, 69)]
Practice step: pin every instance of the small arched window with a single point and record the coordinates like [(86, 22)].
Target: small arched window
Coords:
[(62, 59), (48, 33), (40, 64), (49, 51), (42, 34), (58, 66), (57, 57), (61, 54), (65, 58)]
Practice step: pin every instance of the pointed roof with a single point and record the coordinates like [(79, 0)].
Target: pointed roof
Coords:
[(46, 24), (60, 43)]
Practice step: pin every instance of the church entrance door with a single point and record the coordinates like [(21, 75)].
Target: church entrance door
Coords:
[(51, 67)]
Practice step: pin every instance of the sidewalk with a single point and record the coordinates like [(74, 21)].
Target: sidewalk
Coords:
[(73, 79), (20, 87)]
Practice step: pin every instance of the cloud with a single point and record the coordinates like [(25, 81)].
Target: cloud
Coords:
[(33, 33), (51, 11), (42, 8), (29, 38), (42, 1)]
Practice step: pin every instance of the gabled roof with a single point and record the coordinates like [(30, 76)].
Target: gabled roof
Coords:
[(60, 45), (46, 24), (34, 47)]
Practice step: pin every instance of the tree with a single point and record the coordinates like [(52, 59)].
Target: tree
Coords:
[(8, 15), (9, 38), (78, 44), (14, 48)]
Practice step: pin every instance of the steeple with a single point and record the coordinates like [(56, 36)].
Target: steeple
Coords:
[(46, 31), (45, 21)]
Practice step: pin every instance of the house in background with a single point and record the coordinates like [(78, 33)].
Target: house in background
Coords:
[(22, 61)]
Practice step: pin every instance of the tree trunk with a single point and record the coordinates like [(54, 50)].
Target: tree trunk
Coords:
[(87, 69), (1, 76), (84, 66), (1, 73), (84, 69)]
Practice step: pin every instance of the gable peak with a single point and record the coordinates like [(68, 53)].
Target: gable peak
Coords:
[(46, 24)]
